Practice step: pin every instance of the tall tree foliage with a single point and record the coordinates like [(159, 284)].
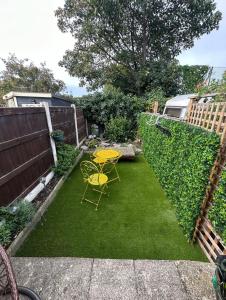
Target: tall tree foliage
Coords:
[(24, 75), (192, 76), (125, 42)]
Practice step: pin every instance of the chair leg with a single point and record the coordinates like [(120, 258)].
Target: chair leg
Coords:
[(117, 173), (101, 193), (83, 196)]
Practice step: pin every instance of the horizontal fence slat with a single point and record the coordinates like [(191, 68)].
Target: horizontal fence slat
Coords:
[(20, 111), (22, 167), (21, 140)]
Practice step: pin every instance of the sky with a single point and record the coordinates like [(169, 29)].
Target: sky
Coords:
[(29, 29)]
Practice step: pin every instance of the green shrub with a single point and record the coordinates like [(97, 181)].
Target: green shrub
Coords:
[(119, 129), (5, 235), (13, 219), (217, 213), (100, 107), (66, 155), (24, 214), (182, 162), (92, 144), (156, 95)]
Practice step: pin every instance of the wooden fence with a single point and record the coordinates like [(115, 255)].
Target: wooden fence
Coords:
[(26, 154), (64, 119), (212, 117)]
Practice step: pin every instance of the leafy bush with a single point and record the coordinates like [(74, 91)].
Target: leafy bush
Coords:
[(217, 213), (93, 143), (100, 107), (118, 129), (182, 162), (66, 155), (5, 235), (13, 219), (24, 214), (156, 95)]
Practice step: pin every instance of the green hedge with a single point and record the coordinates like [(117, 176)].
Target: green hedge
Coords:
[(182, 162), (217, 213)]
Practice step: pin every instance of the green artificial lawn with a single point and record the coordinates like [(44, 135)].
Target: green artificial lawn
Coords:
[(136, 221)]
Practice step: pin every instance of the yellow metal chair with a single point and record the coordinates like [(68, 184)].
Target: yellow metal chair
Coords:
[(111, 167), (95, 178)]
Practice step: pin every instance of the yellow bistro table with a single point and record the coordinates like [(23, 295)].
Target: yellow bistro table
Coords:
[(101, 161), (108, 156)]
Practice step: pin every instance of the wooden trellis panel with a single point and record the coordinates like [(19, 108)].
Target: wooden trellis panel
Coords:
[(210, 242), (212, 117)]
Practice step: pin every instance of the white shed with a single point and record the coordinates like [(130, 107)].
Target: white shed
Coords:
[(177, 106)]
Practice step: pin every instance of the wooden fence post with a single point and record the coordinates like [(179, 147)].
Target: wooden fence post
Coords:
[(189, 110), (87, 129), (76, 125), (50, 127), (155, 107)]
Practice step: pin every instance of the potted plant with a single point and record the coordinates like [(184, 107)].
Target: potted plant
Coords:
[(58, 135)]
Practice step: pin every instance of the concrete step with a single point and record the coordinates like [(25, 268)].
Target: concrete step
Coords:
[(81, 278)]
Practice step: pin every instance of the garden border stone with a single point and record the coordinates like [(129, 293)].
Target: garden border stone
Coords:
[(21, 237)]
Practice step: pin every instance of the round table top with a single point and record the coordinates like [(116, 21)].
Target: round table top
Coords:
[(107, 153)]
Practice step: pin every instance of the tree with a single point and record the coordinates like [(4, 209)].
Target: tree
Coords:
[(215, 86), (121, 41), (23, 75), (191, 77)]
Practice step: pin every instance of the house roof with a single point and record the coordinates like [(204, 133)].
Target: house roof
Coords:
[(179, 101)]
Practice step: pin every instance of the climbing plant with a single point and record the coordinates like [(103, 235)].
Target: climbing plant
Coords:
[(182, 161)]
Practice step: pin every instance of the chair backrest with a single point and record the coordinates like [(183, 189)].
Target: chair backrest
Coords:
[(88, 168), (7, 279)]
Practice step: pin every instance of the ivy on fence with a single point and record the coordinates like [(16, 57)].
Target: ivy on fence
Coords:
[(217, 213), (182, 163)]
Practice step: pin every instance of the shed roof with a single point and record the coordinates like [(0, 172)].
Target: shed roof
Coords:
[(12, 94), (26, 94)]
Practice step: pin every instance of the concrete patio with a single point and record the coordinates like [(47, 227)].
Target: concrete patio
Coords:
[(78, 278)]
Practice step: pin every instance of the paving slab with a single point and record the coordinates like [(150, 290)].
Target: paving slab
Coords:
[(196, 277), (55, 278), (159, 280), (114, 279)]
